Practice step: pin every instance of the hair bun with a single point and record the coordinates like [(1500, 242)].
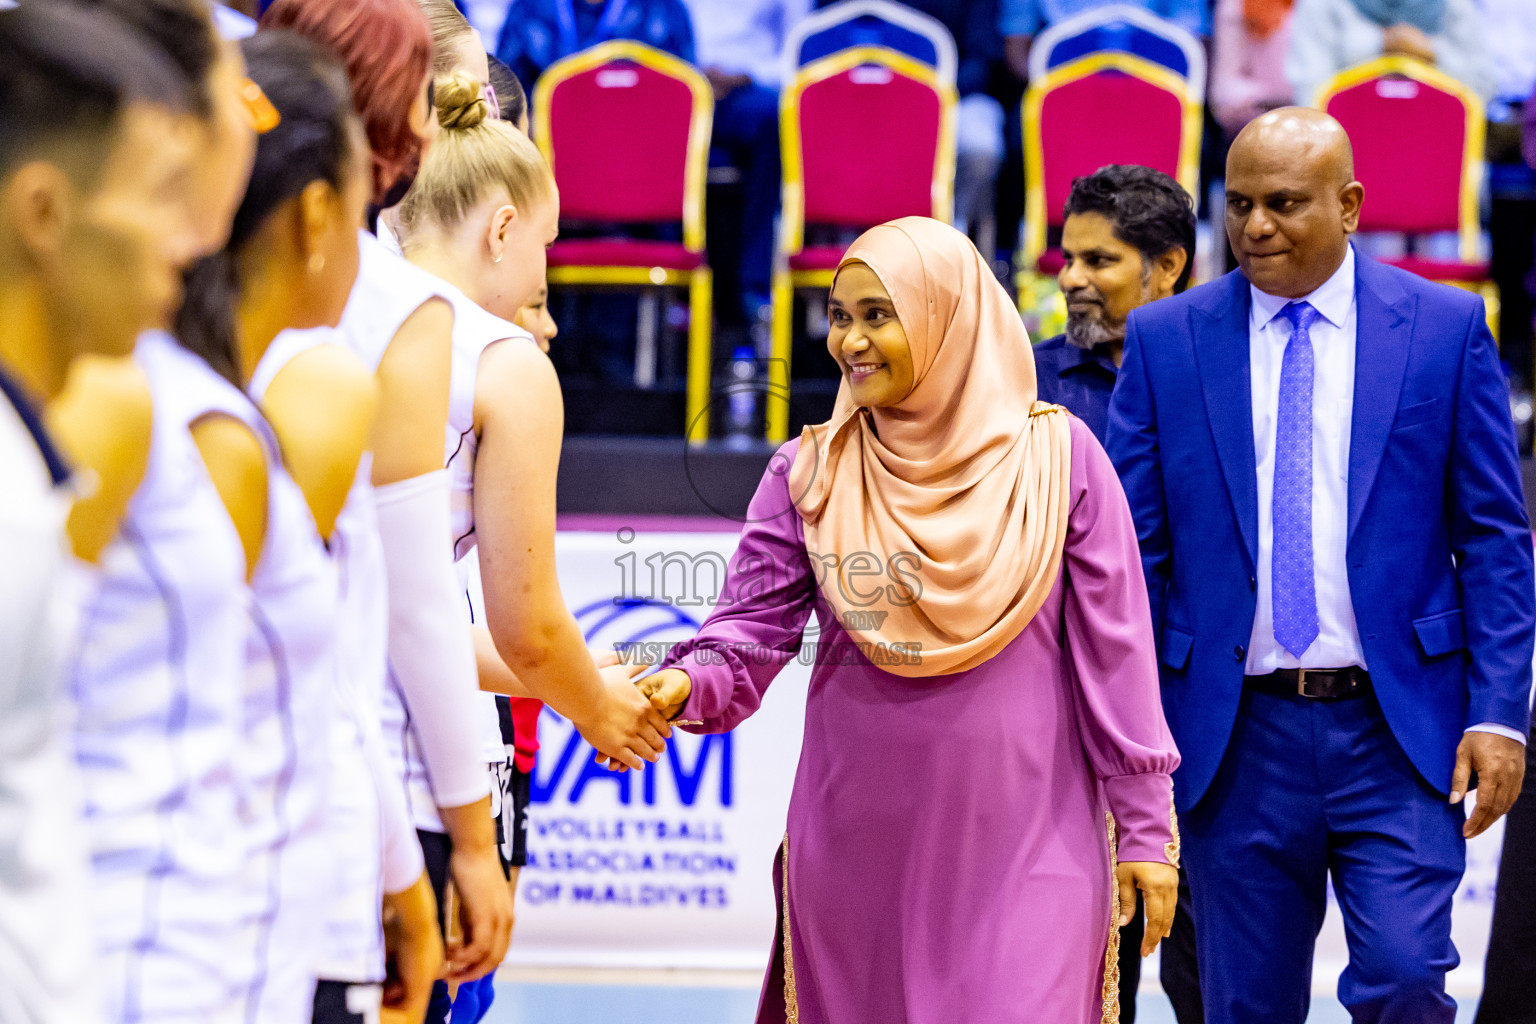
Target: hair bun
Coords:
[(460, 102)]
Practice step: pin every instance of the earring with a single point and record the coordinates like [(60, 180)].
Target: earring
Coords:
[(497, 259), (317, 263)]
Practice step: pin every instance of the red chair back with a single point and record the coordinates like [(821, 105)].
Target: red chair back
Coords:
[(626, 129), (1106, 108), (856, 94), (1412, 134), (1106, 118)]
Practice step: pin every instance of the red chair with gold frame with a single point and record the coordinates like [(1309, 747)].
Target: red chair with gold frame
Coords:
[(1418, 136), (911, 106), (626, 129), (1104, 108)]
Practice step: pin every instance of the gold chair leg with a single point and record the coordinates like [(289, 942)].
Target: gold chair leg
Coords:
[(1491, 300), (700, 353), (778, 357)]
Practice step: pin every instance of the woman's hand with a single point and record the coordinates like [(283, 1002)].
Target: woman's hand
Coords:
[(484, 905), (1159, 884), (1409, 41), (414, 950), (667, 690), (626, 731)]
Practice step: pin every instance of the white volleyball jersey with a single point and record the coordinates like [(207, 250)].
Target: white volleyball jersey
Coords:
[(474, 330), (493, 745), (290, 668), (388, 291), (47, 971), (157, 681), (366, 805)]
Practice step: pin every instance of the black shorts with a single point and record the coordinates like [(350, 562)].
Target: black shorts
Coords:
[(435, 850), (341, 1002), (509, 806)]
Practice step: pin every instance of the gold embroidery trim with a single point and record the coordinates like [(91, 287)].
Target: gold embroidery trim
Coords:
[(791, 1001), (1045, 409), (1171, 848), (1111, 1012)]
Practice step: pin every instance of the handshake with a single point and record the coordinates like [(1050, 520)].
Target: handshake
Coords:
[(634, 719)]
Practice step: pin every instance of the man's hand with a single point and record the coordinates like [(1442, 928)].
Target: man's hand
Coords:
[(1159, 884), (485, 907), (1408, 40), (626, 731), (667, 690), (1500, 766), (413, 949), (724, 83)]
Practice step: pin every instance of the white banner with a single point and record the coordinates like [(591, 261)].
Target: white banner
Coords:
[(672, 867)]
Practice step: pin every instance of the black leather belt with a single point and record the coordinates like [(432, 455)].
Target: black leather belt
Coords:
[(1314, 683)]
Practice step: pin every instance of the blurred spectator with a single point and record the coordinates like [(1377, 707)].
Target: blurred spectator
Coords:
[(1509, 34), (1529, 144), (1328, 36), (539, 32), (740, 47), (1248, 60), (979, 121), (488, 16), (1021, 20)]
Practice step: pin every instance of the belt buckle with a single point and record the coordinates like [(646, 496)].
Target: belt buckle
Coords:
[(1301, 683)]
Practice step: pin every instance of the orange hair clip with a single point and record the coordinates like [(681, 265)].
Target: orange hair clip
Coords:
[(264, 116)]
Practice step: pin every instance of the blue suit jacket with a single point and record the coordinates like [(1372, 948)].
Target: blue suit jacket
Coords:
[(1439, 545)]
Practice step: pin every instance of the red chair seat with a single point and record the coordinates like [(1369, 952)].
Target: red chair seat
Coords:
[(817, 257), (1050, 262), (623, 252), (1442, 270)]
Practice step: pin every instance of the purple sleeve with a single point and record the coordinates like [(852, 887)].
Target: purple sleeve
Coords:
[(1111, 655), (757, 625)]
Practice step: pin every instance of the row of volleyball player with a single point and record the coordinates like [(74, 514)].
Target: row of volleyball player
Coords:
[(273, 349)]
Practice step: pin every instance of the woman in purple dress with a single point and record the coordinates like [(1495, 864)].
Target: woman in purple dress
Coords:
[(983, 729)]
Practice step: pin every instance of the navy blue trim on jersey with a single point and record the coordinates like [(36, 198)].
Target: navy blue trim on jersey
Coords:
[(58, 469)]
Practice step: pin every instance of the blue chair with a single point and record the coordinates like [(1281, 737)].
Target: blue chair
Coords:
[(864, 23), (1124, 29)]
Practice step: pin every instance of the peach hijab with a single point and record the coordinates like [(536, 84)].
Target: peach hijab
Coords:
[(959, 491)]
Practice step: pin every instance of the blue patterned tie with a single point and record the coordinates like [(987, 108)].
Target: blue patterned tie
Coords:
[(1292, 585)]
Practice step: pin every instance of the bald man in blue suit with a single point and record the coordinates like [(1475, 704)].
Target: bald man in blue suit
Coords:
[(1319, 456)]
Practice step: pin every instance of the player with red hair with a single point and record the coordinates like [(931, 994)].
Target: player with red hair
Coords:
[(386, 46), (401, 593)]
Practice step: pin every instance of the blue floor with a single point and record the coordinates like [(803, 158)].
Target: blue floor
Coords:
[(524, 1003)]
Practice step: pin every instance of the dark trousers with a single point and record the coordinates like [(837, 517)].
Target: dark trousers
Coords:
[(436, 848), (1509, 980), (747, 134), (335, 1002), (1310, 789), (1179, 974)]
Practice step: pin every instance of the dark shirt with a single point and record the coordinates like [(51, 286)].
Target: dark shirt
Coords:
[(1079, 379), (533, 37), (973, 23)]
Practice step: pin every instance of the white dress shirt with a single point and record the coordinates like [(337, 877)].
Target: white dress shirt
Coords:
[(1333, 336), (744, 37), (1333, 403)]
